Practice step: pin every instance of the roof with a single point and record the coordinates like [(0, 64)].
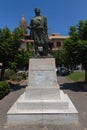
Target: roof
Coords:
[(57, 36), (28, 41)]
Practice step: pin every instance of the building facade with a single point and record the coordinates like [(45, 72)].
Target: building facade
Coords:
[(57, 40)]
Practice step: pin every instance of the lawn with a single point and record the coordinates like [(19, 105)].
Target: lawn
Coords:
[(77, 76)]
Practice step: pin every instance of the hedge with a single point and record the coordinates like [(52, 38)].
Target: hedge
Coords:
[(4, 88)]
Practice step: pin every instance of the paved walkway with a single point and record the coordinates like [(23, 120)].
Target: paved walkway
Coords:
[(75, 92)]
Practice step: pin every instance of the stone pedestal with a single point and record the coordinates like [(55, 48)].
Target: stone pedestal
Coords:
[(42, 102)]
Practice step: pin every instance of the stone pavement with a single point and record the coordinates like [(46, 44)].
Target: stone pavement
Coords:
[(75, 92)]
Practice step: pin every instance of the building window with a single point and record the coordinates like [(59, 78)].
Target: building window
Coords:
[(58, 44)]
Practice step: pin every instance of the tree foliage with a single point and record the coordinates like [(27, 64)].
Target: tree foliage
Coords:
[(58, 54), (21, 60), (76, 46), (9, 46)]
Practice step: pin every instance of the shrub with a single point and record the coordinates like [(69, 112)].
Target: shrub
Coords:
[(8, 73), (13, 77), (21, 75), (4, 88)]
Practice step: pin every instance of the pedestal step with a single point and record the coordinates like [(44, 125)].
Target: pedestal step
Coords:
[(43, 119), (42, 94), (44, 115), (42, 104)]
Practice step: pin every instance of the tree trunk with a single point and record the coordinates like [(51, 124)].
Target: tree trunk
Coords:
[(86, 76), (2, 72), (85, 83)]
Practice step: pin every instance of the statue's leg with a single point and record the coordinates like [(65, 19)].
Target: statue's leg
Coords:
[(36, 48), (45, 49)]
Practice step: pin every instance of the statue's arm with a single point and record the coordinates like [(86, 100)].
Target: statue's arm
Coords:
[(30, 26), (45, 24)]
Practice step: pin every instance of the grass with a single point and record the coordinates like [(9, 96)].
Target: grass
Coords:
[(77, 76)]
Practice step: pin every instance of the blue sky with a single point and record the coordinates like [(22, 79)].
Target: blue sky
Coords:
[(61, 14)]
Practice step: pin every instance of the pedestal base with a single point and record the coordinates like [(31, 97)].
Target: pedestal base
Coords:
[(42, 102)]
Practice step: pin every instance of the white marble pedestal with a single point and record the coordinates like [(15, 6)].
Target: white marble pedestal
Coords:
[(42, 102)]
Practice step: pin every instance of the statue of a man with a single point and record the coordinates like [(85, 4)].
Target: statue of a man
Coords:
[(38, 32)]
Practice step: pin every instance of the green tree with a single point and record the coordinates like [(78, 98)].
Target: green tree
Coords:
[(71, 57), (76, 46), (21, 60), (9, 46), (58, 54)]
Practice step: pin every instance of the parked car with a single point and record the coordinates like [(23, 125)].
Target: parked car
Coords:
[(62, 71)]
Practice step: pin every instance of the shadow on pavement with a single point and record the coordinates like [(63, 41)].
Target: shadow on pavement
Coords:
[(73, 86), (16, 87)]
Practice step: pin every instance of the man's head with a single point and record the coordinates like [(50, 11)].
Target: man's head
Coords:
[(37, 10)]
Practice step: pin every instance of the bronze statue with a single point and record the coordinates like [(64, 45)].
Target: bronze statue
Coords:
[(38, 32)]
